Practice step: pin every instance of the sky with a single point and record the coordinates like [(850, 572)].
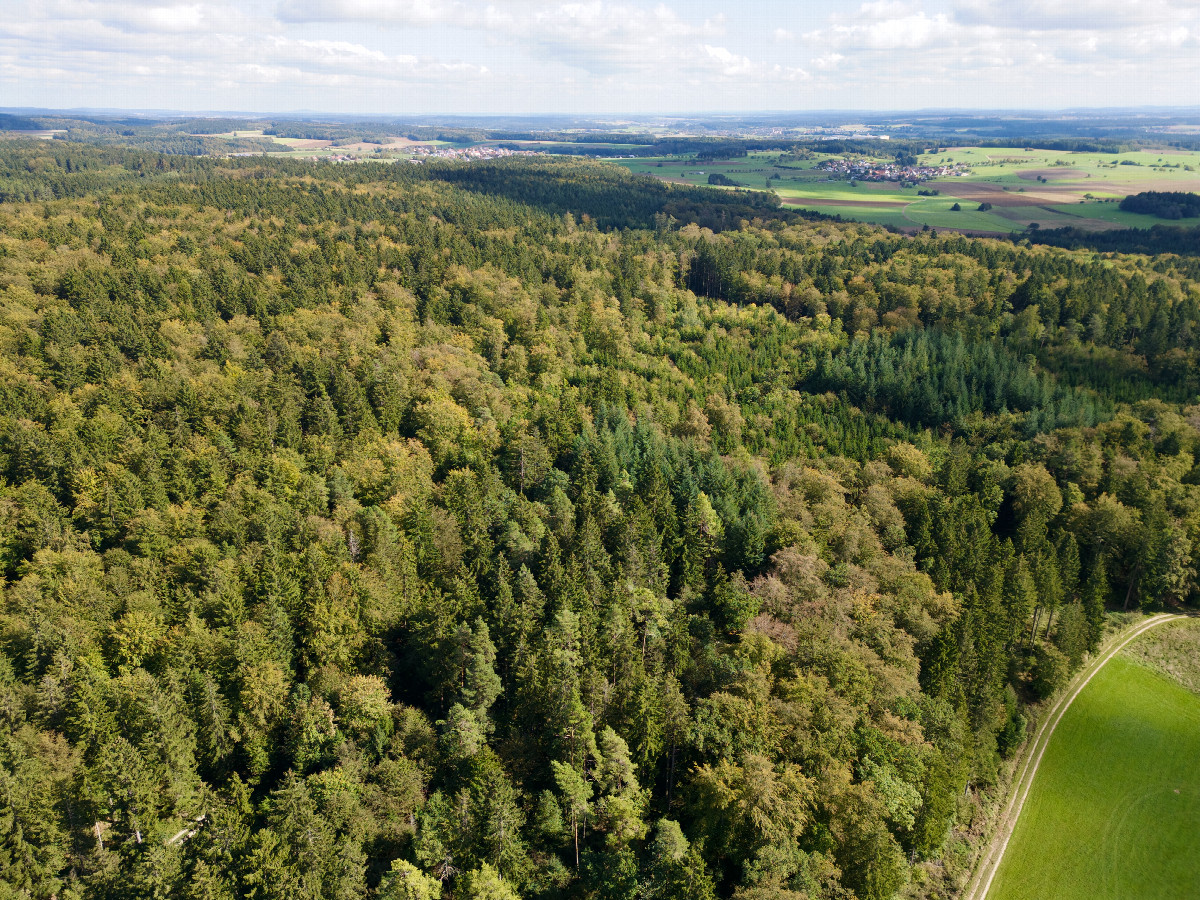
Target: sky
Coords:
[(597, 57)]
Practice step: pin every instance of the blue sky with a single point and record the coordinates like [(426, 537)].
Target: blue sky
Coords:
[(596, 56)]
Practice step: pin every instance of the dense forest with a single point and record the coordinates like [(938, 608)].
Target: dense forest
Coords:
[(1182, 240), (1164, 204), (533, 530)]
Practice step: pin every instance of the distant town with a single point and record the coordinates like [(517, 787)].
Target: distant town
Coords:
[(873, 170), (416, 154), (468, 153)]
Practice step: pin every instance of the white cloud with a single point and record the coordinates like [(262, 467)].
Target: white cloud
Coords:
[(730, 65), (885, 9), (562, 48), (163, 17), (175, 19), (911, 32), (121, 46), (595, 35), (1069, 15), (828, 62), (383, 12), (1015, 52), (580, 55), (609, 39)]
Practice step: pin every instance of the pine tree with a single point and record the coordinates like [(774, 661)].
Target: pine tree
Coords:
[(1096, 594), (576, 797), (481, 684)]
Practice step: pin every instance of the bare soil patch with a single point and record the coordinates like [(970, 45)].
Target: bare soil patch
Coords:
[(980, 191)]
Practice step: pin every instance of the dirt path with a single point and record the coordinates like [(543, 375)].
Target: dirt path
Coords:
[(977, 888)]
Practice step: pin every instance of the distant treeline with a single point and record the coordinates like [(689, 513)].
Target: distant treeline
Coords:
[(647, 145), (609, 195), (58, 170), (1114, 134), (216, 126), (1068, 145), (1164, 204), (590, 137), (174, 143), (155, 133), (725, 148), (17, 123), (612, 197), (1150, 241), (175, 137), (368, 133)]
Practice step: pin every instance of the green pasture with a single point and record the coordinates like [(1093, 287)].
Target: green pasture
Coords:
[(1114, 813), (1048, 216), (1114, 215), (937, 213), (893, 216), (1103, 175), (833, 191), (551, 146), (989, 162)]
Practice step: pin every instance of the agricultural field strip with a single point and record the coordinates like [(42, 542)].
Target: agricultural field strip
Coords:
[(981, 883)]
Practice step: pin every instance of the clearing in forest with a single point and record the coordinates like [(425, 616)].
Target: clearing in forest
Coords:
[(1114, 813)]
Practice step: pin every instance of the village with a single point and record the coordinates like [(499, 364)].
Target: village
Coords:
[(416, 154), (874, 170), (467, 153)]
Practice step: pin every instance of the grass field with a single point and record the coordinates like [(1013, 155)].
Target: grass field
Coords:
[(894, 217), (1052, 188), (1114, 813)]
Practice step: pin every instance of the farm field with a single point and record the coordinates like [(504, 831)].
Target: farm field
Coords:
[(1115, 808), (1053, 189), (893, 216), (751, 171)]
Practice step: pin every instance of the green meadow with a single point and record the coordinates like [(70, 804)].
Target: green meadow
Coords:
[(1114, 813), (894, 217)]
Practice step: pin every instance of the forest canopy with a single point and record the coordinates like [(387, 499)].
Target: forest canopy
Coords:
[(524, 529)]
